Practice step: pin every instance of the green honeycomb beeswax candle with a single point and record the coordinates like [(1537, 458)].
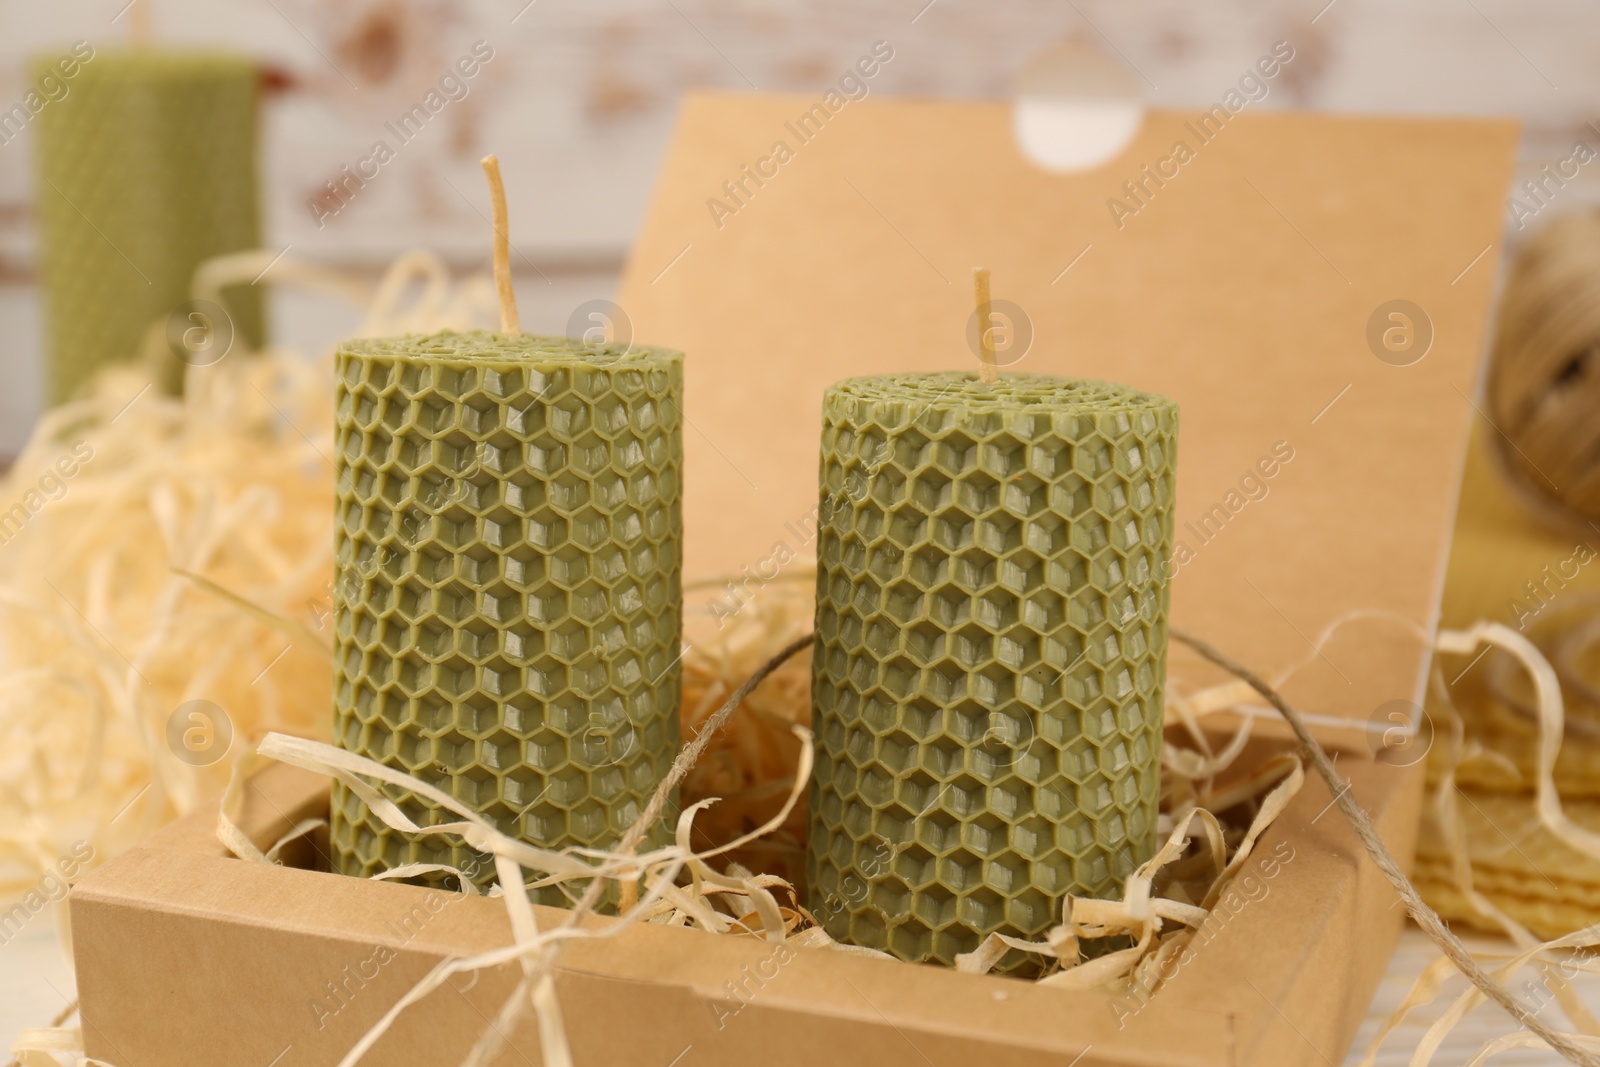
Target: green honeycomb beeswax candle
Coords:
[(507, 603), (990, 653), (146, 168)]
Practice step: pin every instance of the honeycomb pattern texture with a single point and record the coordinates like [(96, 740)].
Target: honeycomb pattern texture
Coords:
[(147, 167), (990, 654), (508, 603)]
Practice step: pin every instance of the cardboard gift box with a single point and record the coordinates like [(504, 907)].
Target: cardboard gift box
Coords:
[(1256, 282)]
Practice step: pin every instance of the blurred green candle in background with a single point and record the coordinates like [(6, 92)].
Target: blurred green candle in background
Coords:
[(146, 167)]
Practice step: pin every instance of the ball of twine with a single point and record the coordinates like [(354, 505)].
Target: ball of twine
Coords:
[(1544, 374)]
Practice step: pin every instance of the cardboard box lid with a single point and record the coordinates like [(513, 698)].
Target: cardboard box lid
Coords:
[(1242, 285)]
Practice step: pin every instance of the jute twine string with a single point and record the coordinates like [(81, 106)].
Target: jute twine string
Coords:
[(1361, 823), (1544, 374)]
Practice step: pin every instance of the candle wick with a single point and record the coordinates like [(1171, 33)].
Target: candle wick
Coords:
[(989, 368), (139, 29), (509, 322)]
